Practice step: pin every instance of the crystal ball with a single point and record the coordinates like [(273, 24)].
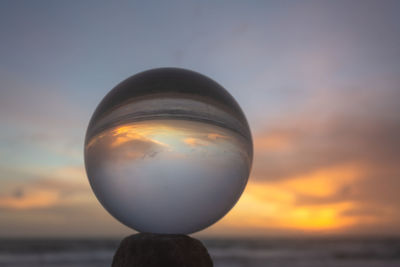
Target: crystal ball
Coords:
[(168, 151)]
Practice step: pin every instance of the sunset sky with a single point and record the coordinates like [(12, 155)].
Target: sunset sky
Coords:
[(318, 81)]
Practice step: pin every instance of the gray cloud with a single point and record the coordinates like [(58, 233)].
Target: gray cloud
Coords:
[(18, 192), (361, 130)]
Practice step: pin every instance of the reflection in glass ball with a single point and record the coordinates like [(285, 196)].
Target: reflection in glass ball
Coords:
[(168, 151)]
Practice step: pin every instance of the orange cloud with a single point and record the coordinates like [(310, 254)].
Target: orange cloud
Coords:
[(57, 186), (195, 142), (38, 199), (322, 182), (140, 132), (275, 205)]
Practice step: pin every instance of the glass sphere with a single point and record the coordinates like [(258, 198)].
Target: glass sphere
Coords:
[(168, 151)]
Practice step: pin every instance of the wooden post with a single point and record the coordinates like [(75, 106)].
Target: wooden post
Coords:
[(159, 250)]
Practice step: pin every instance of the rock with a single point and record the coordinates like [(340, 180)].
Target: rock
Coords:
[(159, 250)]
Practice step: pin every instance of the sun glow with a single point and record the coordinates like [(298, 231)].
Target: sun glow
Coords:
[(280, 204)]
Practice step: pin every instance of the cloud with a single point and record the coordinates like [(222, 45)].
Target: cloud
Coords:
[(287, 150), (29, 200), (321, 91), (332, 171), (37, 203), (41, 190), (125, 143), (280, 204), (194, 142)]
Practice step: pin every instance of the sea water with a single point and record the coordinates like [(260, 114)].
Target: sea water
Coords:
[(249, 252)]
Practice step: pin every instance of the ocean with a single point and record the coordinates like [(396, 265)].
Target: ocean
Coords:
[(243, 252)]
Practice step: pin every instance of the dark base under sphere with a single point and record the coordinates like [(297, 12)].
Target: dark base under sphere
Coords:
[(159, 250)]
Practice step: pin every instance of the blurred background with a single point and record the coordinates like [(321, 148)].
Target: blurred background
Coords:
[(319, 82)]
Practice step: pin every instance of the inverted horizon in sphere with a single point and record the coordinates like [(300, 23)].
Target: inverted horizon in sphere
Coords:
[(168, 151)]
